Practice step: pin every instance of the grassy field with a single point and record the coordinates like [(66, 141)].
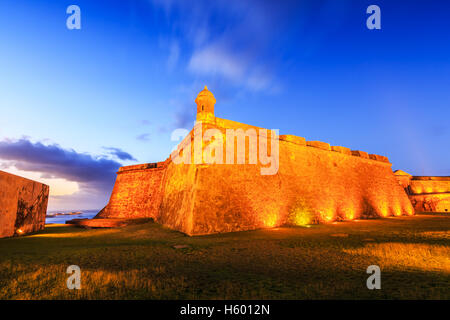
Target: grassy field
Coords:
[(316, 262)]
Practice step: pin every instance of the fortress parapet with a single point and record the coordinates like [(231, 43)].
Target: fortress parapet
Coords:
[(319, 144), (144, 166), (379, 158), (340, 149), (361, 154), (293, 139), (326, 146)]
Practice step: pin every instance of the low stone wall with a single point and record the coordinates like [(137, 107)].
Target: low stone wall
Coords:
[(426, 185), (427, 193), (433, 202), (137, 192), (23, 205)]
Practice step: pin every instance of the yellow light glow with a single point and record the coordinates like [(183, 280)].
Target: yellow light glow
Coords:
[(397, 210), (270, 220), (301, 217), (328, 215), (350, 215), (384, 210), (410, 211)]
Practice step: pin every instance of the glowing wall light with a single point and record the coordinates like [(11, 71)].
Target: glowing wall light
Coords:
[(301, 214), (397, 210), (270, 220), (384, 210), (301, 217), (328, 215), (409, 211), (349, 214)]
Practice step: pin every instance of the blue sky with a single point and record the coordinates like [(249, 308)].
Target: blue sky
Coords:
[(77, 104)]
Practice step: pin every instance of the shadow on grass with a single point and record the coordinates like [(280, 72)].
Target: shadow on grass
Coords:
[(282, 263)]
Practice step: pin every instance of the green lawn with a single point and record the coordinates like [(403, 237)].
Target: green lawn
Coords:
[(319, 262)]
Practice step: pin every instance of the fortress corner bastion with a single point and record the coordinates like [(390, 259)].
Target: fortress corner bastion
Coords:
[(241, 177)]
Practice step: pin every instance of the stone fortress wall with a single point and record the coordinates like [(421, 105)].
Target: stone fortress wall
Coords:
[(315, 183), (23, 205), (427, 193), (137, 192)]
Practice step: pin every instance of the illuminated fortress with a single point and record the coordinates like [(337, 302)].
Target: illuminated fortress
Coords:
[(263, 180), (290, 181)]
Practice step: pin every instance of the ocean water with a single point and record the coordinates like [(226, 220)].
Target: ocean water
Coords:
[(63, 216)]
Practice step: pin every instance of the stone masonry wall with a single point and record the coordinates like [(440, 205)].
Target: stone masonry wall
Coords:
[(430, 193), (312, 185), (315, 183), (23, 205), (137, 192)]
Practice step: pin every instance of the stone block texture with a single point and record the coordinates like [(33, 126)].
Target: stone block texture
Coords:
[(427, 193), (23, 205)]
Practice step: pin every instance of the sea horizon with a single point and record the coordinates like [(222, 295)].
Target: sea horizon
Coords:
[(65, 215)]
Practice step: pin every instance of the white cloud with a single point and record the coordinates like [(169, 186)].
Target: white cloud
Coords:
[(218, 60), (174, 55), (227, 39)]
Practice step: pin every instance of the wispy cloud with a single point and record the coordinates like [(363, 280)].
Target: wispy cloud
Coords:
[(214, 59), (143, 137), (219, 60), (227, 39), (119, 153), (174, 54), (184, 115)]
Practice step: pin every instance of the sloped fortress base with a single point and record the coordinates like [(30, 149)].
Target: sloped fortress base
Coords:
[(314, 183), (23, 205), (106, 223)]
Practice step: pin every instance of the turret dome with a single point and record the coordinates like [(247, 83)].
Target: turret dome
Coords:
[(205, 93), (205, 105)]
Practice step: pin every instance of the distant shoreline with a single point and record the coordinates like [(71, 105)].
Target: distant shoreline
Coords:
[(51, 215), (61, 216)]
